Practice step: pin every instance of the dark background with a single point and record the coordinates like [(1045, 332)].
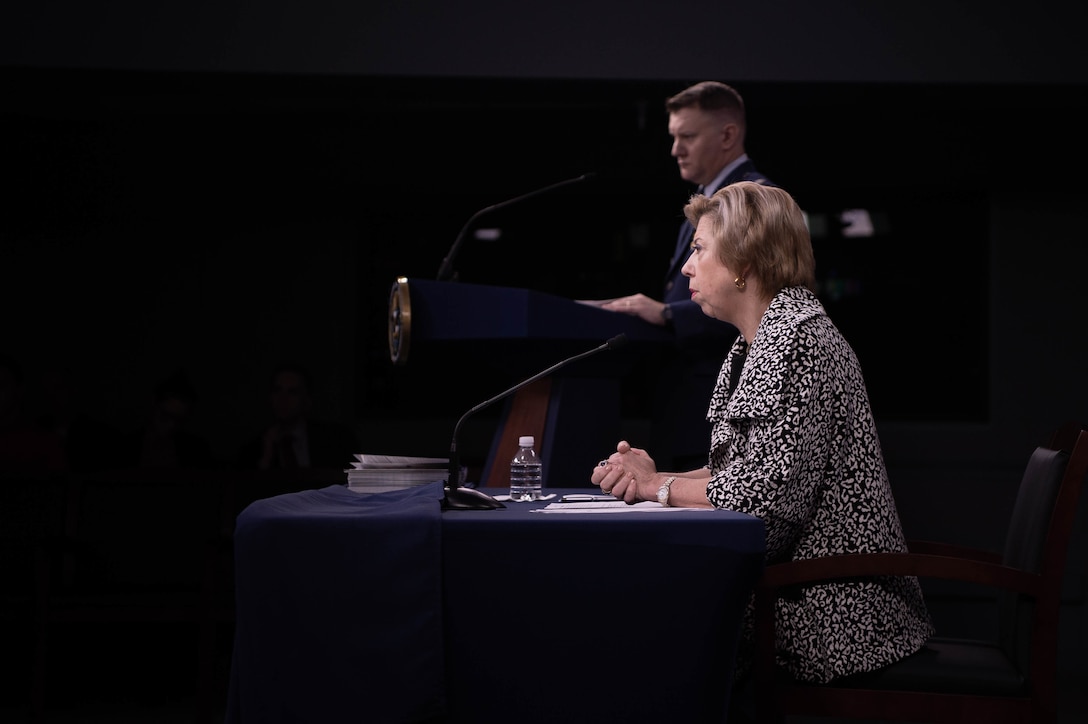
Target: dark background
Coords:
[(220, 222), (219, 186)]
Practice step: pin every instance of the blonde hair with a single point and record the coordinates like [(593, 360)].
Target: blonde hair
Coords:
[(760, 230)]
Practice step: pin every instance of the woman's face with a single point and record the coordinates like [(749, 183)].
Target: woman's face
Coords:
[(710, 281)]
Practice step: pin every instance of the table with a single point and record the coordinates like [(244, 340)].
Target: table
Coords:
[(382, 608)]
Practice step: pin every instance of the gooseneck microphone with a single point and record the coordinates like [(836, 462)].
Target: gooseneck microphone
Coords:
[(445, 271), (458, 498)]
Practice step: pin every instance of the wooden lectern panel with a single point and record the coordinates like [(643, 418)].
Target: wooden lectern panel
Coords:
[(527, 415)]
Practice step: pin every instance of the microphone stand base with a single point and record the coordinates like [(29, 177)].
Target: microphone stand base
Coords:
[(468, 499)]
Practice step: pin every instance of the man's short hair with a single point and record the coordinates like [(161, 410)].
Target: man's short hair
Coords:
[(709, 95)]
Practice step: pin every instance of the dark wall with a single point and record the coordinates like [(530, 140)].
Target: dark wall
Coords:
[(225, 221), (270, 156), (921, 41)]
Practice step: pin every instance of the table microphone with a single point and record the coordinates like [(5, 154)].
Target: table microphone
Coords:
[(445, 272), (458, 498)]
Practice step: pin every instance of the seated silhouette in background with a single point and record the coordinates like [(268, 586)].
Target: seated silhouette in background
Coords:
[(293, 439), (26, 447), (90, 443), (164, 441)]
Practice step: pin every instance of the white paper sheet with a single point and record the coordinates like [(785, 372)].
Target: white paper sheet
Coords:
[(611, 507)]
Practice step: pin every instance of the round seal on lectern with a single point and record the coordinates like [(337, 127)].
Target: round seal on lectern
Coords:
[(400, 321)]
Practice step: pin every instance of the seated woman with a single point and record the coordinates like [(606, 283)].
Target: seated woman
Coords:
[(793, 440)]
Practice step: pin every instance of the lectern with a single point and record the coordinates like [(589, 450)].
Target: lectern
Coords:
[(574, 414)]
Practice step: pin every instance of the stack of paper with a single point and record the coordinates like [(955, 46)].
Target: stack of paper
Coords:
[(382, 473)]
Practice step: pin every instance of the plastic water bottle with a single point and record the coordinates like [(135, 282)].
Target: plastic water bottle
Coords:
[(526, 472)]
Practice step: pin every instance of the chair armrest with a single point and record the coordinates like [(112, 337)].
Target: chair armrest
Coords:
[(950, 549), (922, 565)]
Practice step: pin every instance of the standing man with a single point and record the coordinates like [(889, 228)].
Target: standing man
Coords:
[(707, 124)]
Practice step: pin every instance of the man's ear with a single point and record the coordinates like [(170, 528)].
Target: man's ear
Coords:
[(730, 135)]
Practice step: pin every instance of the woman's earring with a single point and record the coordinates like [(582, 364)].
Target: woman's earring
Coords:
[(739, 281)]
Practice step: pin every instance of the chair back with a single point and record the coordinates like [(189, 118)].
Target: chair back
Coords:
[(144, 531), (32, 509), (1025, 543), (1038, 537)]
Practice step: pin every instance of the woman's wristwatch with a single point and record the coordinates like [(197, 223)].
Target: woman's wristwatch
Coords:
[(663, 491)]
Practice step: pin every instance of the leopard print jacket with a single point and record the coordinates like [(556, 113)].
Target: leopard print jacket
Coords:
[(796, 445)]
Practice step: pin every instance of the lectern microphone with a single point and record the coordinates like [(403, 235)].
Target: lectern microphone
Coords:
[(459, 498), (445, 271)]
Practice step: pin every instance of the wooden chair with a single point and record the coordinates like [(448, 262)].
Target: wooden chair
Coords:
[(1011, 678), (139, 550), (32, 509)]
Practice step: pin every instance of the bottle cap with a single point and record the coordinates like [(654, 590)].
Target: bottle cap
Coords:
[(526, 441)]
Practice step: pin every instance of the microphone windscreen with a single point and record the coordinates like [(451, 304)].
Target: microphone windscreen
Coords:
[(616, 342)]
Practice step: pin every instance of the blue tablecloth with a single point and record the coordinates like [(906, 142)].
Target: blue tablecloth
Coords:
[(382, 608)]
